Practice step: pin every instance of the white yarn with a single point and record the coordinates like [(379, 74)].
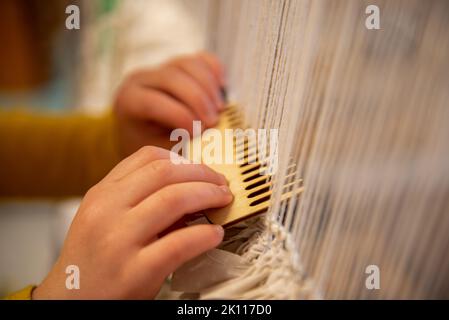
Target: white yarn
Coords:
[(363, 114)]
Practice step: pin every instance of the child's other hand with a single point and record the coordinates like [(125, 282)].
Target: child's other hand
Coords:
[(171, 96), (114, 237)]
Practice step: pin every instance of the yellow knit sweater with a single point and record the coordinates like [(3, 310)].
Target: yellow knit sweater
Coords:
[(53, 157)]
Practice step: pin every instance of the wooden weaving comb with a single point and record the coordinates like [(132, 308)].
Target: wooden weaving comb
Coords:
[(252, 191)]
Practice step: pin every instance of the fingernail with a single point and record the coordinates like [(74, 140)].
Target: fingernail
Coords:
[(224, 94), (225, 190), (220, 231)]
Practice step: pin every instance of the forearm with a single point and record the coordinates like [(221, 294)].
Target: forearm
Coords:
[(54, 156)]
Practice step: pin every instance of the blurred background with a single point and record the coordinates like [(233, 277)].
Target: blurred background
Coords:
[(48, 68)]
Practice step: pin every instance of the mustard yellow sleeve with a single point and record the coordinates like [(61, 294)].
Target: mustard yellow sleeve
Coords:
[(24, 294), (54, 156)]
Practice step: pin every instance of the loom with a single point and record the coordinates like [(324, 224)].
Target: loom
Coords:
[(363, 179), (362, 183)]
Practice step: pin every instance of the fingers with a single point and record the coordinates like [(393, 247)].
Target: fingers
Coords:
[(163, 109), (188, 87), (184, 88), (200, 71), (160, 173), (154, 105), (178, 247), (171, 203)]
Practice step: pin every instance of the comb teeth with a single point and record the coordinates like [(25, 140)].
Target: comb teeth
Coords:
[(252, 190)]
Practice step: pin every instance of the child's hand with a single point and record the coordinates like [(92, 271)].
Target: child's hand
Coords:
[(151, 101), (114, 236)]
